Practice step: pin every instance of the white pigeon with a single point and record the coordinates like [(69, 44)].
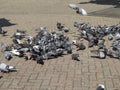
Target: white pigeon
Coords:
[(42, 28), (19, 41), (73, 6), (81, 11), (6, 68), (117, 36), (101, 55), (15, 52)]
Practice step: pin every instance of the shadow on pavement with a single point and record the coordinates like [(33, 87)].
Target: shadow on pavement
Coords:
[(5, 22), (104, 2), (109, 12)]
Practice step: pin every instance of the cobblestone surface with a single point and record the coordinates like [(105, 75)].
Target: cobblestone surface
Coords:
[(61, 73)]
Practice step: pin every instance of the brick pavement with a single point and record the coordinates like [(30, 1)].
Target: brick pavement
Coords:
[(61, 73)]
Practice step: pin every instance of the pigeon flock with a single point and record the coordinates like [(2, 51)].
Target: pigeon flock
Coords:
[(95, 35), (43, 46), (46, 45)]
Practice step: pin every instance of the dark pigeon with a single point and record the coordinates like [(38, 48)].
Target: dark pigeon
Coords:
[(59, 26), (81, 46), (75, 57)]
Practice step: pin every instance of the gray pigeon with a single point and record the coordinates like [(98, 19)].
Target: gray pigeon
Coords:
[(110, 37), (81, 46), (99, 54), (75, 57), (7, 55), (108, 52), (6, 68), (101, 44), (66, 29)]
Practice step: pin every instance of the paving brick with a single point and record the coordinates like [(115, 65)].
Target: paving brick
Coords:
[(46, 82), (54, 82), (60, 88), (92, 68), (69, 82), (109, 83), (35, 81), (33, 76), (69, 87), (5, 84), (71, 74), (77, 83), (48, 88), (116, 83), (93, 84), (99, 76), (85, 69)]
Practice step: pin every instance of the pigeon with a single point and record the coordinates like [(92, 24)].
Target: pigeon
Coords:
[(7, 55), (110, 37), (100, 87), (6, 68), (108, 52), (28, 55), (17, 52), (90, 43), (76, 24), (81, 11), (75, 39), (59, 51), (99, 54), (73, 6), (101, 44), (117, 36), (81, 46), (66, 29), (96, 40), (2, 31), (68, 47), (117, 52), (115, 45), (40, 59), (29, 39), (59, 26), (19, 34), (75, 57)]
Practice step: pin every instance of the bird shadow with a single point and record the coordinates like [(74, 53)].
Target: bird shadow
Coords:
[(5, 35), (1, 77), (5, 22), (95, 57)]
